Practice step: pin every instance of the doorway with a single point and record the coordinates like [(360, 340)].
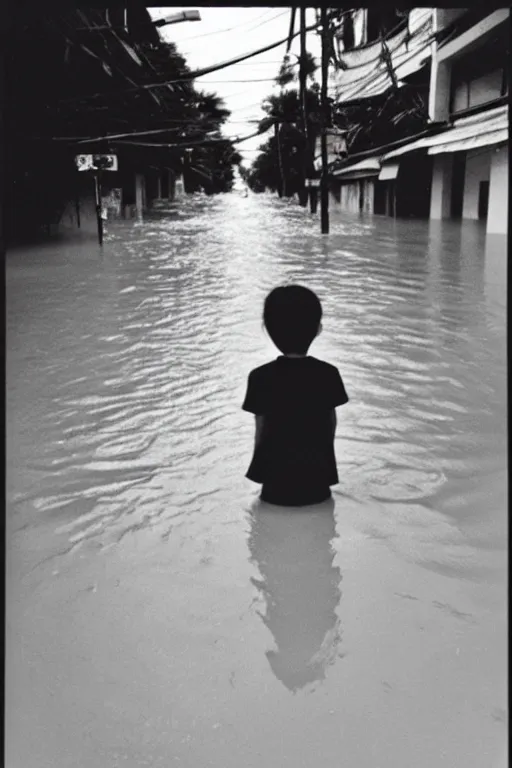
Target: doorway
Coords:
[(483, 200), (458, 177)]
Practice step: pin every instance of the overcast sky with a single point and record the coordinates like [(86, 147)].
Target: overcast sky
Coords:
[(224, 33)]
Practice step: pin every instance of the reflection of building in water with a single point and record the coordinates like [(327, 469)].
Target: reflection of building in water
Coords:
[(301, 588)]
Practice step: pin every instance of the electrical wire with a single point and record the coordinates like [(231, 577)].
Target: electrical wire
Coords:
[(416, 33), (262, 80), (189, 144), (193, 75), (372, 77), (231, 29)]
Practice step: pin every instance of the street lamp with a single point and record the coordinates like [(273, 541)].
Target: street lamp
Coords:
[(176, 18)]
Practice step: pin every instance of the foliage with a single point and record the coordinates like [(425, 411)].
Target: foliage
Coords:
[(289, 72), (212, 168), (291, 157), (286, 159), (91, 86), (388, 118)]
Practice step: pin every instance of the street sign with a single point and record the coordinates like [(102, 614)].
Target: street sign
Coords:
[(96, 162), (312, 182)]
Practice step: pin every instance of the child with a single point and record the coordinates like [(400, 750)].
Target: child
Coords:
[(293, 399)]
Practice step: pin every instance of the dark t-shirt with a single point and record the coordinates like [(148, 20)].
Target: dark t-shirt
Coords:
[(296, 396)]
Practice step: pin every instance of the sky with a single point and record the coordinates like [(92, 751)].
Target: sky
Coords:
[(224, 33)]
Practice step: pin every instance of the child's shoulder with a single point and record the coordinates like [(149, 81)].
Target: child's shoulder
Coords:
[(313, 365), (262, 370), (322, 366)]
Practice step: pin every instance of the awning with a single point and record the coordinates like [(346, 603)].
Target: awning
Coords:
[(388, 172), (496, 137), (365, 75), (484, 129), (368, 167)]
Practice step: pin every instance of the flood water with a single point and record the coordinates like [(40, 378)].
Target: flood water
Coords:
[(157, 613)]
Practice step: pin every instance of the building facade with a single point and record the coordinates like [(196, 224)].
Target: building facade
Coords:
[(458, 166), (469, 90), (381, 91)]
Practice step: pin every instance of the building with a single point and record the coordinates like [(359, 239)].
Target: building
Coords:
[(78, 81), (381, 90), (457, 167), (469, 89)]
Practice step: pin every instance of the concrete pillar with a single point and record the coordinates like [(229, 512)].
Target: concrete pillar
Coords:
[(140, 189), (439, 92), (497, 219), (179, 188), (369, 195), (172, 185), (441, 194)]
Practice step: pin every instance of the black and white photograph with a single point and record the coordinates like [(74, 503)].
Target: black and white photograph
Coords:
[(256, 413)]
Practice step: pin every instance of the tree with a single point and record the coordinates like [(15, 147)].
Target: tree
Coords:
[(281, 168), (284, 159), (211, 165)]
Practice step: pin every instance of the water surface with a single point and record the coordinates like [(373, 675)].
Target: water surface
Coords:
[(157, 613)]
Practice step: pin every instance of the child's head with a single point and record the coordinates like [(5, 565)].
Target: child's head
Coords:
[(292, 316)]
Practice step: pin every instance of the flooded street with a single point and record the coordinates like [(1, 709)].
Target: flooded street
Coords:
[(157, 613)]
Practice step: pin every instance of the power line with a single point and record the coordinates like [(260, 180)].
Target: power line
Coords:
[(190, 144), (262, 80), (230, 29), (193, 75)]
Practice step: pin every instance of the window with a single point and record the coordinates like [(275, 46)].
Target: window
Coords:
[(460, 98), (480, 77), (485, 88)]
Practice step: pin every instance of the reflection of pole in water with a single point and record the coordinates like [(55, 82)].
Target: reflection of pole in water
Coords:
[(301, 587)]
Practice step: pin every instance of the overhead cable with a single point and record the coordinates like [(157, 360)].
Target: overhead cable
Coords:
[(193, 75), (190, 144), (237, 26)]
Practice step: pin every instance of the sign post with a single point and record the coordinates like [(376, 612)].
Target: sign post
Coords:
[(97, 191), (97, 164)]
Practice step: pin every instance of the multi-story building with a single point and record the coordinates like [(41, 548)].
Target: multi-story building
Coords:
[(380, 91), (468, 93), (469, 88), (459, 167)]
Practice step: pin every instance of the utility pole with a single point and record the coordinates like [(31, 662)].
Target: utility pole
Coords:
[(304, 118), (324, 108), (282, 186)]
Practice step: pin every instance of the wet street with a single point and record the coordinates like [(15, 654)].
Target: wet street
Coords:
[(157, 613)]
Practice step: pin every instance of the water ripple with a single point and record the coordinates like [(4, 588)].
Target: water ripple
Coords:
[(126, 372)]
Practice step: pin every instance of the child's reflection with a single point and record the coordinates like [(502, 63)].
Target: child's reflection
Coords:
[(292, 549)]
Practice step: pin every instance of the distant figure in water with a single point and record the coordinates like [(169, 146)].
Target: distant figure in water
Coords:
[(294, 399)]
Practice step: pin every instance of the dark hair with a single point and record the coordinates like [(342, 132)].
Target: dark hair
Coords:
[(292, 315)]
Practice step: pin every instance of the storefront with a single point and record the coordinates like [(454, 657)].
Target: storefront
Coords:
[(469, 173), (353, 187)]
